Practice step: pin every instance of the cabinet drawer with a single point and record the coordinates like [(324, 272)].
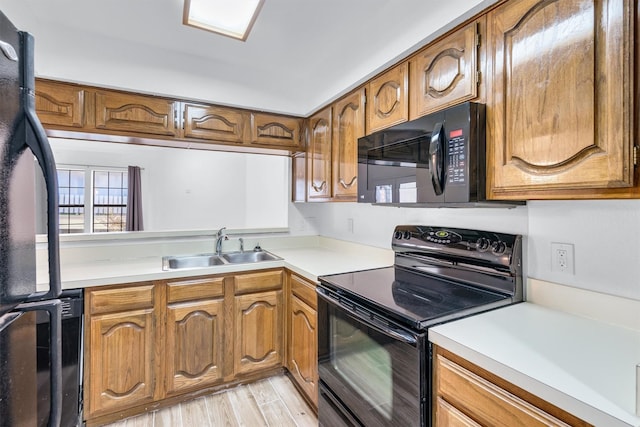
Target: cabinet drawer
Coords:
[(488, 403), (186, 290), (304, 290), (121, 299), (256, 282)]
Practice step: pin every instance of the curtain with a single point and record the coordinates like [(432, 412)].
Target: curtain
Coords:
[(134, 200)]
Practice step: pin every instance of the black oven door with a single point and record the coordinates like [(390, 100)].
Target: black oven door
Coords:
[(372, 372)]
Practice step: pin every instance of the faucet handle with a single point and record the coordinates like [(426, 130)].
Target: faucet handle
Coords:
[(257, 248)]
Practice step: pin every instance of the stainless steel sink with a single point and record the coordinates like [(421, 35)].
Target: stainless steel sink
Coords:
[(191, 261), (246, 257), (211, 260)]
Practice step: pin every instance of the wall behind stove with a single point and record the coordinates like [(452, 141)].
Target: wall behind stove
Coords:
[(605, 234)]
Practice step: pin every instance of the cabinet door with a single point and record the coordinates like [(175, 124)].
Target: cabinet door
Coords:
[(135, 113), (194, 335), (388, 102), (274, 130), (121, 371), (258, 339), (59, 104), (445, 73), (559, 100), (299, 177), (303, 347), (348, 126), (214, 123), (319, 156)]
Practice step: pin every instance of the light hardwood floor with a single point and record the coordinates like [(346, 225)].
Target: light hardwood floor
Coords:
[(270, 402)]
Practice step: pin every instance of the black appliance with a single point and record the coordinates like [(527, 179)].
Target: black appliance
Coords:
[(438, 159), (22, 307), (374, 358)]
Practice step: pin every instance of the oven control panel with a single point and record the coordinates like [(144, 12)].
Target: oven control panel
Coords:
[(485, 246)]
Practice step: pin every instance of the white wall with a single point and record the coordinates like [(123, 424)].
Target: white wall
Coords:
[(194, 189), (605, 234)]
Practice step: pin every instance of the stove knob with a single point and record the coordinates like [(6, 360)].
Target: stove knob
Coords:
[(498, 247), (397, 235), (482, 244), (407, 235)]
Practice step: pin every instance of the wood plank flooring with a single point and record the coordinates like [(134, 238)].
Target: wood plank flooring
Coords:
[(270, 402)]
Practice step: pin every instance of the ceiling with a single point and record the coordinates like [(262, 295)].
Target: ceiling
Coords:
[(300, 54)]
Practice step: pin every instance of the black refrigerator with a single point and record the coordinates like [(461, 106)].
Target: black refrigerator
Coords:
[(25, 151)]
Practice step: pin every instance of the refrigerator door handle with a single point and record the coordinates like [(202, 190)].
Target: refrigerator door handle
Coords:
[(35, 138), (54, 307)]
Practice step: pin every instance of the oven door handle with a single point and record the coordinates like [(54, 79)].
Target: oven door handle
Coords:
[(387, 330)]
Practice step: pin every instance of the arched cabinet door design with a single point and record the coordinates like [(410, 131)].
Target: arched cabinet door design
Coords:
[(388, 101), (559, 100), (348, 126), (59, 104), (319, 156), (445, 73), (214, 123), (258, 331)]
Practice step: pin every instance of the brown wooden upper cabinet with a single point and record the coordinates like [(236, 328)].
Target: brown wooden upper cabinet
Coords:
[(319, 157), (214, 123), (135, 113), (274, 130), (445, 73), (60, 104), (388, 98), (348, 126), (559, 97)]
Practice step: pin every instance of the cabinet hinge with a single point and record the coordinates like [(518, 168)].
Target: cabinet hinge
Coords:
[(175, 118), (478, 77)]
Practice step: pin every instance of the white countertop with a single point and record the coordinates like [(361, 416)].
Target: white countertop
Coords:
[(311, 258), (584, 366)]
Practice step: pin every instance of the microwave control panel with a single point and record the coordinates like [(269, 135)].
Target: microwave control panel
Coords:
[(456, 169)]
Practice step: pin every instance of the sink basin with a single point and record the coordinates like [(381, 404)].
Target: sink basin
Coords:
[(211, 260), (191, 261), (246, 257)]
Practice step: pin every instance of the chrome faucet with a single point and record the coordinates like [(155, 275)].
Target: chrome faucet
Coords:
[(220, 236), (241, 244)]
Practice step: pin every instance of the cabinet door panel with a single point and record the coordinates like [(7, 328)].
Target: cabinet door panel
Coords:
[(303, 348), (319, 156), (277, 131), (258, 332), (58, 104), (214, 123), (559, 101), (445, 73), (194, 344), (348, 126), (388, 103), (121, 363), (135, 113)]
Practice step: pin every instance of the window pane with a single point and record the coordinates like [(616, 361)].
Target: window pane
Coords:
[(77, 179), (115, 179), (63, 177), (101, 179)]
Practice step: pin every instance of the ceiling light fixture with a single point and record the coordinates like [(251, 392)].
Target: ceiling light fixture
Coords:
[(231, 18)]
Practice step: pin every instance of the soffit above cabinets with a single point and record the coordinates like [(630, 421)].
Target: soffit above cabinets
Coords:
[(299, 56)]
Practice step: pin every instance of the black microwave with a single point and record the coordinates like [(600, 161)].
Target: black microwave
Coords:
[(437, 159)]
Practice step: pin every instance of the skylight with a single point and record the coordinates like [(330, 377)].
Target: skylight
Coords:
[(232, 18)]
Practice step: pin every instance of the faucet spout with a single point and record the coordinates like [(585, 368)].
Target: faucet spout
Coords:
[(220, 236)]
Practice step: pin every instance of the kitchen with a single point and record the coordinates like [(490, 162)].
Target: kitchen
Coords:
[(605, 263)]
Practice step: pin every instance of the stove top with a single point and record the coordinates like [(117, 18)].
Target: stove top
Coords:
[(439, 274), (410, 298)]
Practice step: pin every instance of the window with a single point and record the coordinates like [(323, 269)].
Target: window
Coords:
[(92, 199)]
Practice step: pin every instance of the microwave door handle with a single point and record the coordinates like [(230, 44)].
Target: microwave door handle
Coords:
[(54, 307), (383, 329), (34, 137), (436, 158)]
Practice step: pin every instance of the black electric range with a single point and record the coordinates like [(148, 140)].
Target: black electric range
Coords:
[(373, 353)]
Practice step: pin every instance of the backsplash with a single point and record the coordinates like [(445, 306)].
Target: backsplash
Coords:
[(605, 234)]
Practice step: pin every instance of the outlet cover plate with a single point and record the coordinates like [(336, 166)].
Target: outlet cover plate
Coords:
[(562, 258)]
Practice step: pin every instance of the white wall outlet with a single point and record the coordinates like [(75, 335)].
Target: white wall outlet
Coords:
[(562, 259)]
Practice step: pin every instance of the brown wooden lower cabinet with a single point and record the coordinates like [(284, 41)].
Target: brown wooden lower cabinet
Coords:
[(466, 395), (302, 340), (154, 343)]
